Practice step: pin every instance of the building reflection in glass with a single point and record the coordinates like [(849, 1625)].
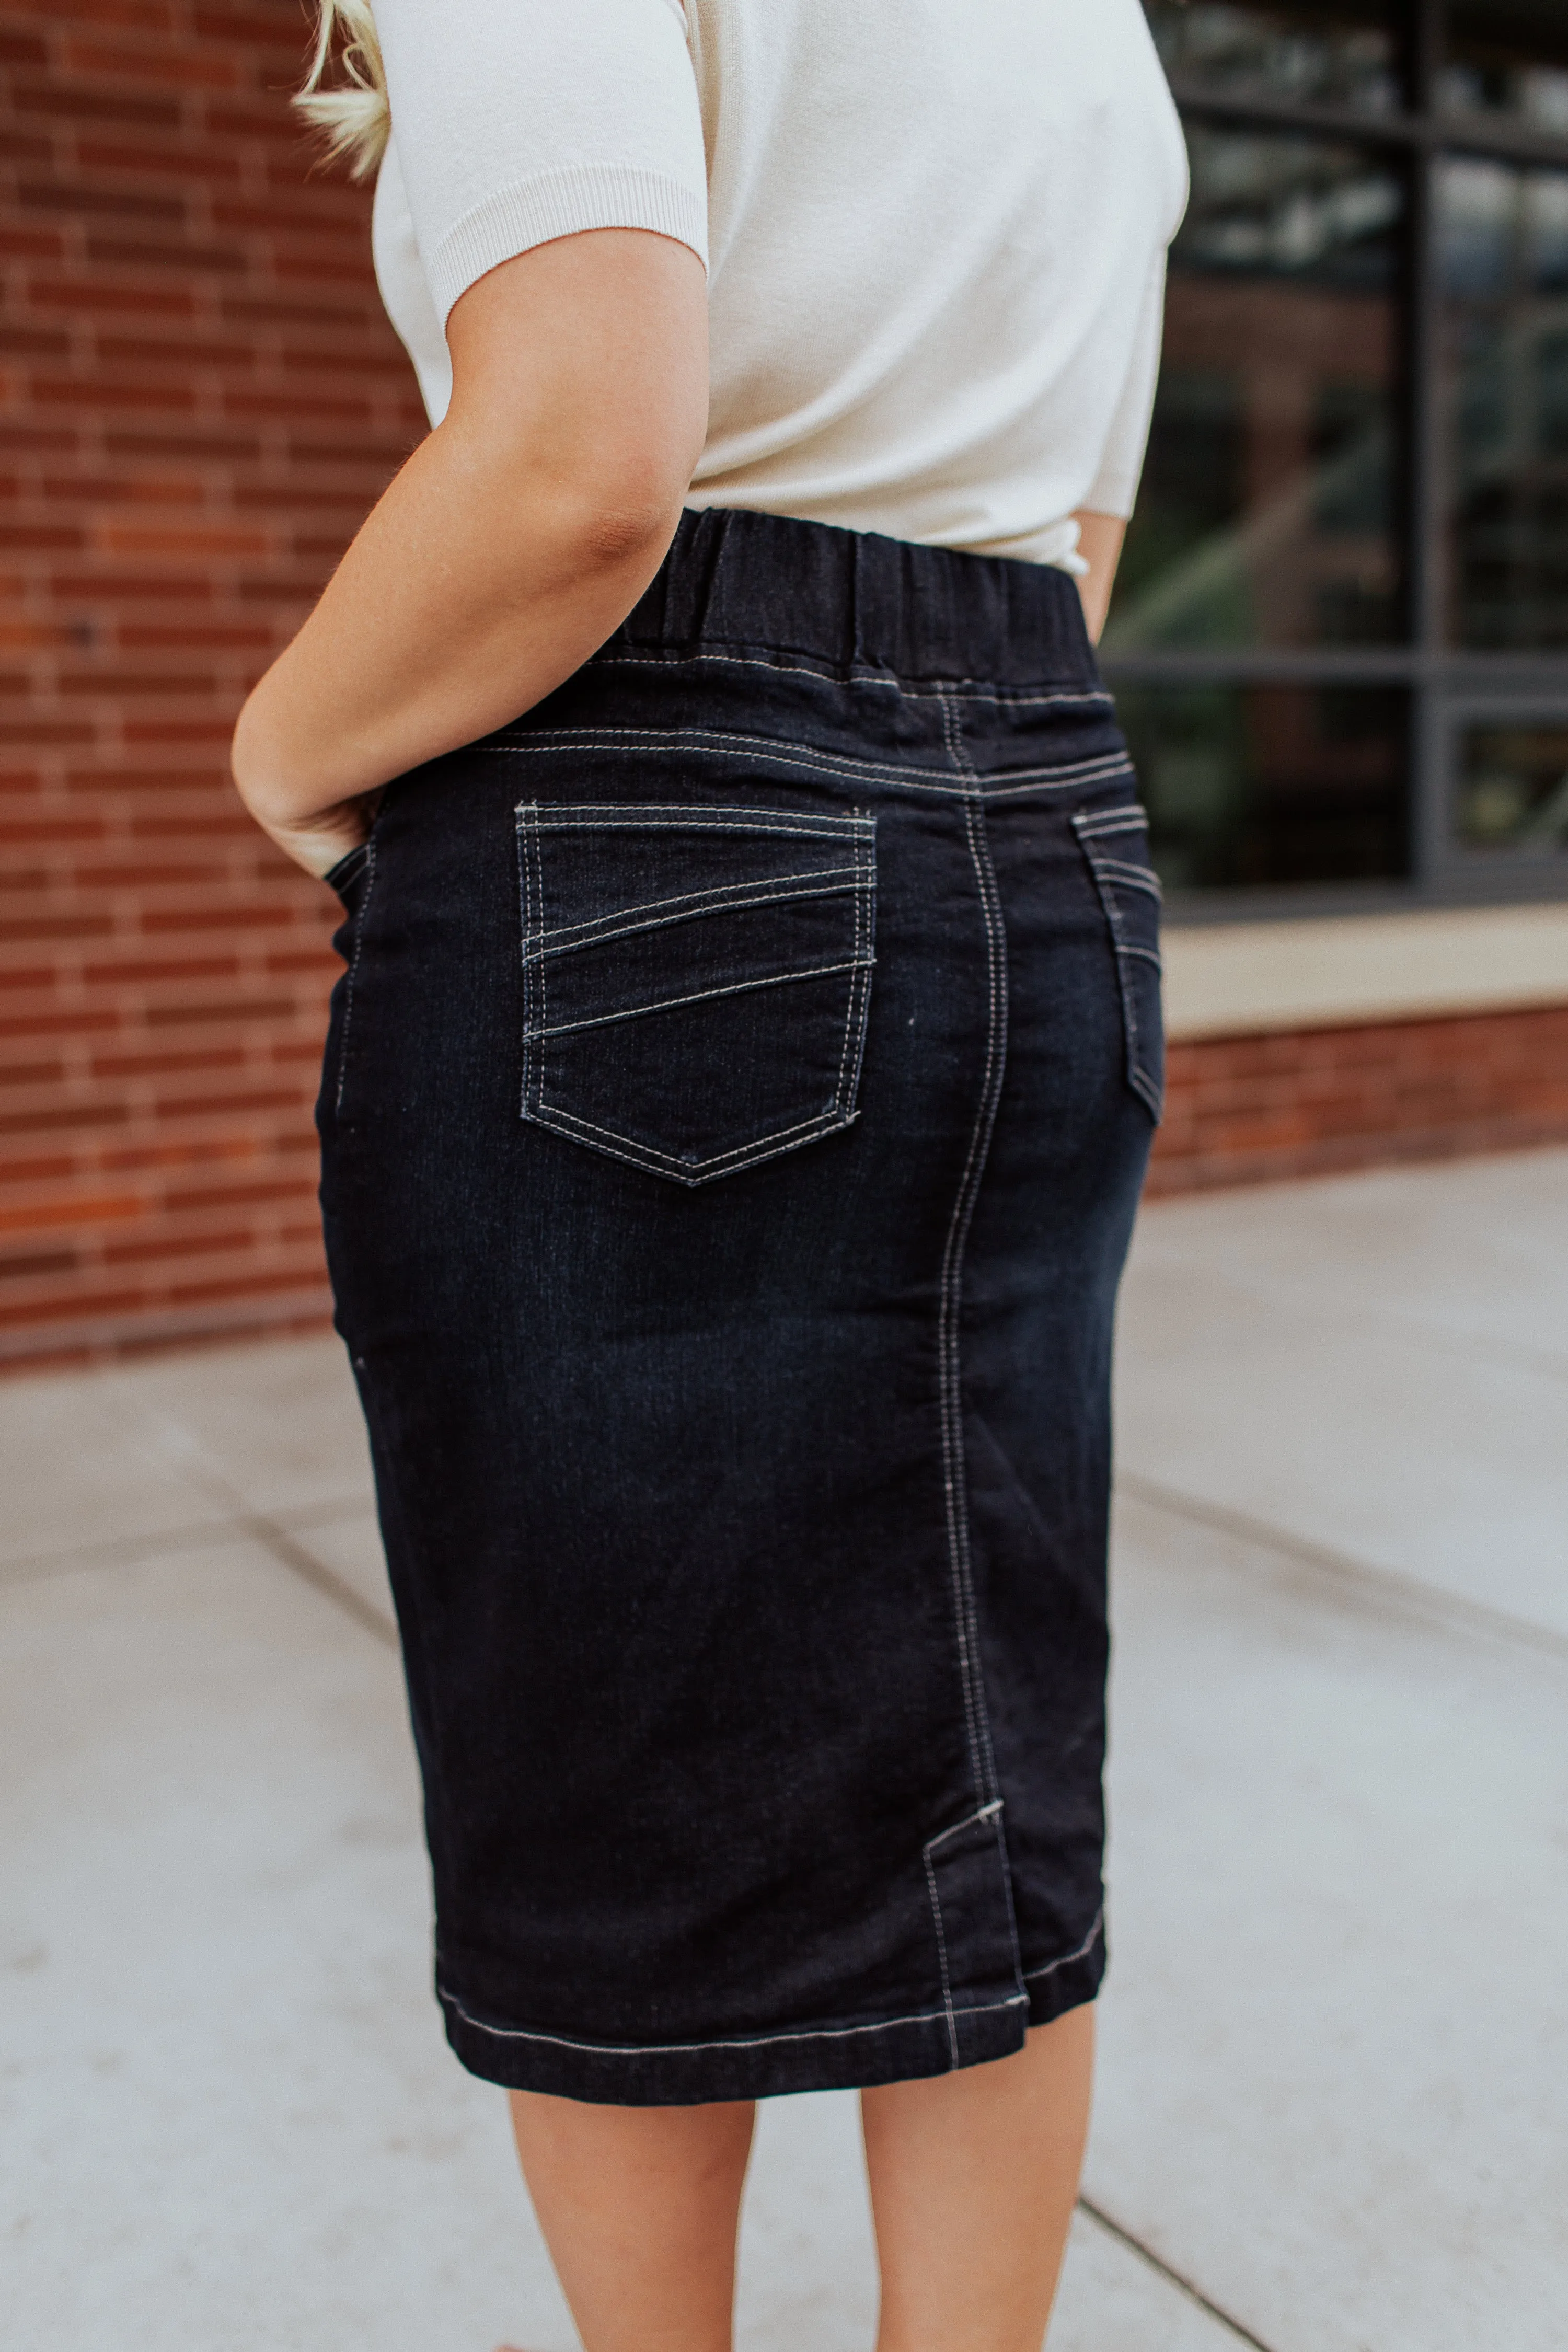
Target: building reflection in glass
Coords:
[(1339, 53), (1339, 639), (1255, 787), (1508, 57), (1513, 786), (1504, 257), (1268, 510)]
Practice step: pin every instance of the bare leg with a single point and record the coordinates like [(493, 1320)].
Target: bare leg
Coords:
[(973, 2178), (639, 2208)]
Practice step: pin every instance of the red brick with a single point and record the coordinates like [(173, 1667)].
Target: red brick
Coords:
[(83, 297), (163, 65), (78, 105), (153, 15), (1340, 1099), (79, 200), (178, 253)]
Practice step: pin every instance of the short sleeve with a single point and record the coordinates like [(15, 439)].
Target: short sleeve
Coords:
[(1115, 487), (518, 123)]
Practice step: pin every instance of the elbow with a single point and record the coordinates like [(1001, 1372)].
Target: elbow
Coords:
[(624, 523), (605, 511)]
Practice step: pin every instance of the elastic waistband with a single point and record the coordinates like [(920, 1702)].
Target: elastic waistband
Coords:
[(852, 602)]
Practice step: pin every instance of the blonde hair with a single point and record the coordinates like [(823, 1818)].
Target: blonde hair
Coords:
[(353, 117)]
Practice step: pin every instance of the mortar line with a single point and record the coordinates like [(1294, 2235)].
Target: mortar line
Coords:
[(1450, 1609), (1172, 2277)]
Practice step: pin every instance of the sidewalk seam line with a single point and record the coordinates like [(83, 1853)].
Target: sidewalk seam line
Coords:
[(1450, 1609), (1399, 1324), (1172, 2277), (301, 1562), (129, 1551)]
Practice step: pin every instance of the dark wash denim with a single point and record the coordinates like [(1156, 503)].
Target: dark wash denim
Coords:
[(735, 1106)]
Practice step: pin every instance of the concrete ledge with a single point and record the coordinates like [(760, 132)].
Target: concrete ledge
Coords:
[(1238, 979)]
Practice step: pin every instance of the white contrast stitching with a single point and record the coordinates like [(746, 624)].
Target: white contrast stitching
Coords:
[(539, 960), (716, 740), (724, 899), (712, 743), (861, 991), (962, 693), (737, 2042), (699, 1172), (859, 829), (942, 1957), (955, 1483), (986, 1814), (653, 1152), (1066, 1959), (1090, 829), (1115, 820), (1091, 771), (861, 960), (983, 1814), (698, 996), (703, 739), (753, 661), (1137, 877), (688, 817), (529, 958)]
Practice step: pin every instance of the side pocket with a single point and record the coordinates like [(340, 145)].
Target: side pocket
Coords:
[(353, 879), (1115, 844), (349, 876)]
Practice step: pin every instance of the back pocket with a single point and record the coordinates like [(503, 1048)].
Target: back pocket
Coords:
[(1116, 844), (695, 979)]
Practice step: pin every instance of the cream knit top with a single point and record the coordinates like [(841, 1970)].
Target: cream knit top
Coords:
[(934, 231)]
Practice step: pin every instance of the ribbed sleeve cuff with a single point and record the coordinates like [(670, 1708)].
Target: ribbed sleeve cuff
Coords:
[(560, 203)]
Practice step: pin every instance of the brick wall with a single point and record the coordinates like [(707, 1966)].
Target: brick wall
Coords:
[(199, 397), (1248, 1109)]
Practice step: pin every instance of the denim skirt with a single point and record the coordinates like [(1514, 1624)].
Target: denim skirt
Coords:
[(735, 1105)]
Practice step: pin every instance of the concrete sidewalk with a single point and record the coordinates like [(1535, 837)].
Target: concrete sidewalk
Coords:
[(1335, 2080)]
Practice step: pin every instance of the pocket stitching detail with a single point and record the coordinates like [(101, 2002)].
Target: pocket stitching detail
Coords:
[(695, 904), (862, 829), (850, 1013), (1089, 828), (532, 964), (686, 1171), (686, 816), (700, 995), (1097, 768)]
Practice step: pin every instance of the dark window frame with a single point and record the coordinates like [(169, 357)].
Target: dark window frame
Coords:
[(1445, 683)]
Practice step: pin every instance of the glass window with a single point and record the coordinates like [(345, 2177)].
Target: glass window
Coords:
[(1339, 53), (1504, 255), (1253, 787), (1512, 786), (1339, 634), (1509, 57), (1269, 513)]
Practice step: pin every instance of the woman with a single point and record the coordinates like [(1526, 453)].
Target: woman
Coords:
[(740, 1086)]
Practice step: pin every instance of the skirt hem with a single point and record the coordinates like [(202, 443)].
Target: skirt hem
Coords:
[(762, 2066)]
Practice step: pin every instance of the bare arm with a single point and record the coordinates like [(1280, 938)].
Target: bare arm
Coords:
[(514, 541), (1099, 543)]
